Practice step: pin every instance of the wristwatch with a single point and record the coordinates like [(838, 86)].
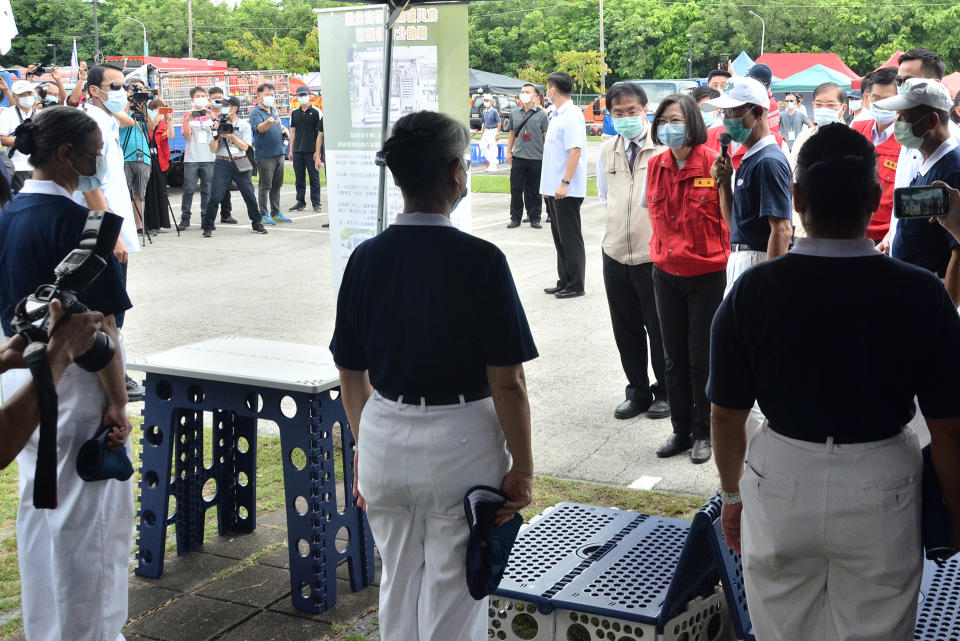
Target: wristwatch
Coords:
[(565, 181), (730, 498)]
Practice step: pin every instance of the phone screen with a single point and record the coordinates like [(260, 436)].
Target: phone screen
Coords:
[(166, 110), (920, 202)]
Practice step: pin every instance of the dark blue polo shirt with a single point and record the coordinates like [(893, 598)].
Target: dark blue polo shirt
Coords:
[(36, 232), (269, 143), (762, 187), (920, 242), (837, 346), (425, 308)]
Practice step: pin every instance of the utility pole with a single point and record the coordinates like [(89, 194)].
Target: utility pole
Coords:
[(54, 54), (146, 49), (97, 58), (189, 28), (603, 54), (690, 57), (763, 32)]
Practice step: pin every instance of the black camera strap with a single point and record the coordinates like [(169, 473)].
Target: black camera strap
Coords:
[(45, 477)]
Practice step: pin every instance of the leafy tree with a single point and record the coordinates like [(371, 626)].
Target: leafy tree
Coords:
[(529, 74), (278, 53), (585, 67)]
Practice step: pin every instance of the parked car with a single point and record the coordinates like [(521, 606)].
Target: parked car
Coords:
[(506, 105), (656, 91)]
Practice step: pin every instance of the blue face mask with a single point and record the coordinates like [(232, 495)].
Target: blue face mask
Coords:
[(708, 117), (883, 116), (672, 135), (90, 183), (116, 101)]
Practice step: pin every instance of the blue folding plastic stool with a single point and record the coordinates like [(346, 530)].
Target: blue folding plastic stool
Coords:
[(307, 413)]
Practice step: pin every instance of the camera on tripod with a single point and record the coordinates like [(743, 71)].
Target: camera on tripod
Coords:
[(224, 126), (71, 278)]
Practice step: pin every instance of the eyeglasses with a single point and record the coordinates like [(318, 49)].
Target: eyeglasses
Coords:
[(902, 79), (113, 86), (791, 102), (674, 121), (828, 105)]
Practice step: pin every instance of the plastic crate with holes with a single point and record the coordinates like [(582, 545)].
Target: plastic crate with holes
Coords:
[(609, 574)]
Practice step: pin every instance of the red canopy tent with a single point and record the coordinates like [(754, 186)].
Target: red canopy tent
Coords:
[(784, 65), (893, 61), (952, 82)]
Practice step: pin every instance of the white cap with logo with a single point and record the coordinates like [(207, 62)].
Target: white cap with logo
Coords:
[(918, 91), (740, 91), (21, 86)]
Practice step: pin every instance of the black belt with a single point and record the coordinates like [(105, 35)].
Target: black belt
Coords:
[(839, 440), (744, 247), (437, 399)]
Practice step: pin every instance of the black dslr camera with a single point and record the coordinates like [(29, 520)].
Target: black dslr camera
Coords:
[(224, 126), (72, 277)]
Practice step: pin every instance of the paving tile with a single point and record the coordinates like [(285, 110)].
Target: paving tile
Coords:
[(191, 618), (273, 626), (350, 605), (142, 598), (278, 558), (189, 572), (343, 570), (256, 585), (240, 546)]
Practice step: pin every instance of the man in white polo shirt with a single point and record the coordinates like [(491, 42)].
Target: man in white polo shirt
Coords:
[(563, 180)]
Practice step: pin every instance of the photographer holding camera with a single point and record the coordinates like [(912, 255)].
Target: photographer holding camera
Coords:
[(10, 119), (136, 147), (73, 559), (230, 143)]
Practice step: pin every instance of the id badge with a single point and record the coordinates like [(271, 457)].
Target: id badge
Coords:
[(791, 135), (526, 137)]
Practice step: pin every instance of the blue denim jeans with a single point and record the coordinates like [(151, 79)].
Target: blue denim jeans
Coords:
[(191, 172), (223, 172)]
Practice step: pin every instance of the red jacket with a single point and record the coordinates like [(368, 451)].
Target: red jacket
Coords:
[(159, 136), (888, 152), (689, 235)]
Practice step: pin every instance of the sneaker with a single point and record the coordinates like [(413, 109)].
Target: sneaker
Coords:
[(135, 391), (229, 220), (280, 218), (513, 224), (299, 207), (207, 233), (318, 207), (266, 219), (184, 224), (259, 229)]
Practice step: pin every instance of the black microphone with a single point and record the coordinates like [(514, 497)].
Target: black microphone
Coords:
[(725, 141)]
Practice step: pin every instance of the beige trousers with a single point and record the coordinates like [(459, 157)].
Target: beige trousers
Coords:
[(831, 538)]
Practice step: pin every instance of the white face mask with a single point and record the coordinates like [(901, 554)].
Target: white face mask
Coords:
[(200, 102), (303, 100), (268, 101), (526, 98), (487, 103)]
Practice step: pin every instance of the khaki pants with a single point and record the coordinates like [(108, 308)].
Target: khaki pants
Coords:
[(831, 538)]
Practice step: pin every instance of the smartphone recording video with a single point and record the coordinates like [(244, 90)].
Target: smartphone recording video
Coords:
[(920, 202)]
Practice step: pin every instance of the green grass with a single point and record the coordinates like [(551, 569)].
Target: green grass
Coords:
[(290, 179), (480, 183)]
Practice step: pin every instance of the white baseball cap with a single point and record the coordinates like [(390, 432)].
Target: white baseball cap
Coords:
[(918, 91), (487, 96), (21, 86), (740, 91)]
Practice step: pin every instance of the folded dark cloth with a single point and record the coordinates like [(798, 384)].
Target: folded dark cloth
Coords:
[(488, 549), (935, 519)]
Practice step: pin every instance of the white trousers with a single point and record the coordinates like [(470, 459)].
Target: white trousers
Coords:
[(489, 147), (831, 538), (416, 463), (737, 263), (74, 560)]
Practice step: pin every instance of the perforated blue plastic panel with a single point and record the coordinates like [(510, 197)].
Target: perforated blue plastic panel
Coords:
[(730, 567), (553, 549), (631, 581), (938, 613)]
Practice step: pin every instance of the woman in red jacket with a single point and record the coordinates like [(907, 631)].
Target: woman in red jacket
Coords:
[(689, 249)]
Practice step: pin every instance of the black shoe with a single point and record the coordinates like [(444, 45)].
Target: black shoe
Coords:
[(207, 233), (526, 219), (628, 409), (535, 224), (299, 207), (326, 225), (318, 207), (549, 220), (569, 293), (229, 220), (183, 225), (659, 409), (135, 391), (259, 229), (676, 444), (701, 451), (513, 224), (553, 290)]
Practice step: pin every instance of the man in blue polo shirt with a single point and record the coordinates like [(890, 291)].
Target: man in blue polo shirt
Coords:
[(268, 133), (757, 206), (923, 122)]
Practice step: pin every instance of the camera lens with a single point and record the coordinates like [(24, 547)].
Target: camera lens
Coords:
[(99, 355)]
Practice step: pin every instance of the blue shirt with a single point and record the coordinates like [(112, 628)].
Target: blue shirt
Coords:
[(812, 319), (425, 308), (269, 143), (920, 242), (37, 230), (134, 143), (490, 117), (761, 190)]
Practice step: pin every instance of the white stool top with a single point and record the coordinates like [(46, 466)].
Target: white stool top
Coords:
[(247, 361)]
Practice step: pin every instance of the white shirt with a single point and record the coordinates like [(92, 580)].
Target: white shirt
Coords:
[(10, 119), (114, 186), (880, 137), (945, 148), (567, 131), (419, 219), (197, 148), (47, 187)]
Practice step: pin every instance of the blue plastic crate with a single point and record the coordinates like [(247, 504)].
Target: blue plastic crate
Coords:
[(938, 613)]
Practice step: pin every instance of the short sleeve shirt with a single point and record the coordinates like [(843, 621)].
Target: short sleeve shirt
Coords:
[(529, 141), (134, 144), (307, 124), (269, 143), (38, 228), (567, 131), (919, 242), (761, 190), (10, 119), (425, 308), (227, 148), (197, 149), (490, 118)]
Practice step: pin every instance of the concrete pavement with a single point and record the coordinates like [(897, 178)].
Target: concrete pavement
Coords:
[(186, 289)]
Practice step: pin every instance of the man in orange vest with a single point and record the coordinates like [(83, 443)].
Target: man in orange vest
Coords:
[(878, 85)]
